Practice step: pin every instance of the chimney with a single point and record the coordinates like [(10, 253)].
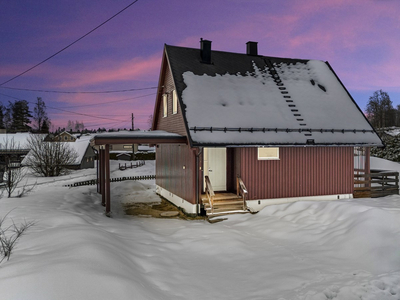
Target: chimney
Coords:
[(205, 51), (252, 48)]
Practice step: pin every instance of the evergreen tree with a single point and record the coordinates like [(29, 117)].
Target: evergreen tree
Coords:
[(2, 125), (45, 127), (40, 117), (20, 115)]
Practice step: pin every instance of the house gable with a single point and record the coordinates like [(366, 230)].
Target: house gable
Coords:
[(65, 137), (173, 120)]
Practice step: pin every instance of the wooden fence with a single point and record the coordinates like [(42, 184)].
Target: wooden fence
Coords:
[(378, 183), (137, 164), (94, 181)]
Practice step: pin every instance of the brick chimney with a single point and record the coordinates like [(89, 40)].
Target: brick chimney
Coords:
[(252, 48), (205, 51)]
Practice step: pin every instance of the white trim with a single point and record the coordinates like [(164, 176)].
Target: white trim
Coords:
[(178, 201), (257, 205)]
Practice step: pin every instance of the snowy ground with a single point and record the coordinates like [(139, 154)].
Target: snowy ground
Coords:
[(345, 249)]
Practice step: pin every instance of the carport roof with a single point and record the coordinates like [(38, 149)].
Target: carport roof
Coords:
[(138, 137)]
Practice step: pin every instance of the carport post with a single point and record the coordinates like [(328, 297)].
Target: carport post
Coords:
[(102, 175), (98, 162), (107, 178)]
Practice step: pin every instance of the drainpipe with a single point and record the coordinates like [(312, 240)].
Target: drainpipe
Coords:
[(197, 179)]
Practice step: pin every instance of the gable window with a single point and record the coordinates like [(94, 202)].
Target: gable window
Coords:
[(165, 105), (174, 102), (268, 154)]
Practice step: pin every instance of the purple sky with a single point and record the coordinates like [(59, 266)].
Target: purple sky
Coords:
[(359, 38)]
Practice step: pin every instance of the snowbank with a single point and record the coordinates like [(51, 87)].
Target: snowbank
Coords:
[(344, 249)]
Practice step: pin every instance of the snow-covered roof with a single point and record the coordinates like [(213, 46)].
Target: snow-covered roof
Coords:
[(20, 140), (80, 146), (241, 99)]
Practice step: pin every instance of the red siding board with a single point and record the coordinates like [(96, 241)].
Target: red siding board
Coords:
[(171, 174), (300, 172)]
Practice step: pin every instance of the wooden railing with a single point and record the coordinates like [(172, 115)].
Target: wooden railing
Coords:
[(241, 190), (209, 193), (378, 183)]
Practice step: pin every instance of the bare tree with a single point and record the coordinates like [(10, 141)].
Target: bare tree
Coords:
[(150, 121), (380, 111), (13, 175), (49, 158), (12, 171)]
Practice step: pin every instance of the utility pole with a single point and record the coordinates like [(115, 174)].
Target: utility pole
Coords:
[(133, 145)]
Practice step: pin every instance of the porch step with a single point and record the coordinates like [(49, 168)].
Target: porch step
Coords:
[(224, 207), (224, 203)]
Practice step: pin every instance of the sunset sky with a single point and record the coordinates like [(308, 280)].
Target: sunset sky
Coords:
[(359, 38)]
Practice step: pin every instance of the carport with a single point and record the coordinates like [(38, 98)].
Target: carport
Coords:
[(101, 142)]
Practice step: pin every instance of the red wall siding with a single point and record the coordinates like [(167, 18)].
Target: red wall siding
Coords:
[(173, 122), (301, 171), (170, 173)]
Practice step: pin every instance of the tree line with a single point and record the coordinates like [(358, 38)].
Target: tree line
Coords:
[(380, 111), (17, 117)]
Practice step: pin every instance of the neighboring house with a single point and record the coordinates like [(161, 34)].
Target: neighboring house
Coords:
[(13, 148), (86, 155), (285, 128), (81, 145), (124, 156), (124, 148), (61, 137)]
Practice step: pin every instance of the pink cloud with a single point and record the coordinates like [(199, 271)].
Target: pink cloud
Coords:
[(351, 35), (135, 69)]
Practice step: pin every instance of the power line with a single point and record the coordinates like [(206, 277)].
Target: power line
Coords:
[(108, 102), (74, 42), (78, 92)]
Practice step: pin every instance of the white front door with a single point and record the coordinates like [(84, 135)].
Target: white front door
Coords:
[(215, 167)]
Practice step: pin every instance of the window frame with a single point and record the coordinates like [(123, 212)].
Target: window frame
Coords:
[(268, 157), (174, 102), (165, 105)]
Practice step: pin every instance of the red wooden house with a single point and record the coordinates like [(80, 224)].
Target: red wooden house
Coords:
[(269, 129)]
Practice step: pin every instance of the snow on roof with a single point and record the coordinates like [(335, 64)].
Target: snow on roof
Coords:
[(255, 100), (20, 139), (136, 135), (80, 146)]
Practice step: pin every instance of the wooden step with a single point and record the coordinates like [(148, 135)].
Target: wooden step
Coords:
[(226, 202), (223, 203)]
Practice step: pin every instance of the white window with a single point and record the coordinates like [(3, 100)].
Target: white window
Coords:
[(174, 102), (165, 105), (268, 153)]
